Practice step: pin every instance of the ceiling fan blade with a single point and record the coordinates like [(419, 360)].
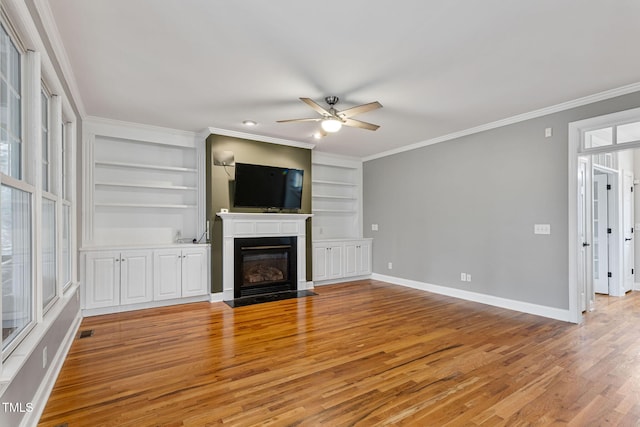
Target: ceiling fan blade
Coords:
[(299, 120), (315, 106), (359, 124), (350, 112)]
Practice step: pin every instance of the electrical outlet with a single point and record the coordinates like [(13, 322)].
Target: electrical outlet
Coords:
[(44, 357), (463, 277), (468, 277), (374, 227), (548, 132), (390, 266)]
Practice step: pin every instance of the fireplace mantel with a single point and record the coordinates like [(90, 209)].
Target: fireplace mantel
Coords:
[(241, 224)]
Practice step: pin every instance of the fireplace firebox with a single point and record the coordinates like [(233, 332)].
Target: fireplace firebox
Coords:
[(264, 265)]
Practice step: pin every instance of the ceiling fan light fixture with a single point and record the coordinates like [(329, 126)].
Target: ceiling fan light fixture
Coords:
[(331, 125)]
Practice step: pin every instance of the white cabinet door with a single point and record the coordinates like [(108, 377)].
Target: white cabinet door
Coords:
[(320, 265), (351, 258), (364, 258), (335, 261), (135, 277), (102, 279), (194, 272), (167, 274)]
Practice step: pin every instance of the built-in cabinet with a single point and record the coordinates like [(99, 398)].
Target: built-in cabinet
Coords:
[(118, 278), (141, 185), (134, 277), (339, 251), (179, 273), (339, 259)]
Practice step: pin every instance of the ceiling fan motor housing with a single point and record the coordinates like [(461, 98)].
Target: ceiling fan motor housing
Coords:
[(332, 100)]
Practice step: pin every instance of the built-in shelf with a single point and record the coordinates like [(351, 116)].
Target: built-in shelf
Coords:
[(144, 205), (336, 197), (339, 183), (156, 186), (144, 166), (334, 211), (326, 196)]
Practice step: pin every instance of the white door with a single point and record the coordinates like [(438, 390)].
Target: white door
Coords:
[(351, 258), (335, 261), (102, 279), (364, 265), (194, 272), (584, 283), (167, 274), (600, 233), (627, 231), (135, 277), (320, 263)]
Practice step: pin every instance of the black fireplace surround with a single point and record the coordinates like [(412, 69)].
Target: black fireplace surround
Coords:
[(264, 265)]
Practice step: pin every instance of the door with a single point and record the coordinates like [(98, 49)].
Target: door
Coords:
[(585, 285), (351, 258), (167, 274), (102, 279), (194, 272), (627, 231), (600, 233), (135, 277)]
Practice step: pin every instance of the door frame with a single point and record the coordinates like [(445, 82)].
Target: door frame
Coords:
[(576, 155)]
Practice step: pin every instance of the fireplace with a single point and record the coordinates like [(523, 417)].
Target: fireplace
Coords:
[(264, 265)]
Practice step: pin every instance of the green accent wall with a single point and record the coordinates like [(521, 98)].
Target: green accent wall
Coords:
[(219, 184)]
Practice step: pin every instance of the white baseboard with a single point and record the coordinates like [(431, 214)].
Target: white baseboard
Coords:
[(523, 307), (217, 297), (88, 312), (44, 391), (342, 280)]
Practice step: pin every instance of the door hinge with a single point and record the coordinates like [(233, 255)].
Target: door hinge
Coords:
[(609, 275), (608, 231), (608, 186), (632, 271)]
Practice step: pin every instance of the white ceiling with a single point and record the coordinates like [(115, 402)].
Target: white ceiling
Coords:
[(438, 67)]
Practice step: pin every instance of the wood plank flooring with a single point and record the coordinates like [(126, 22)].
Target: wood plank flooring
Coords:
[(364, 353)]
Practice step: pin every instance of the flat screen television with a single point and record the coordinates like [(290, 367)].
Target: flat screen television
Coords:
[(258, 186)]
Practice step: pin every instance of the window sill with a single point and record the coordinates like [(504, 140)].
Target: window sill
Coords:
[(12, 365)]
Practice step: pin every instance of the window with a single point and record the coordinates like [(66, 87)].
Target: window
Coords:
[(49, 289), (17, 293), (10, 108), (45, 141), (65, 246)]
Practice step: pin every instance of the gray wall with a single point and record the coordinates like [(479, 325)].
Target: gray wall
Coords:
[(469, 205)]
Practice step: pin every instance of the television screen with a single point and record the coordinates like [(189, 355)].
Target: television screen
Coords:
[(258, 186)]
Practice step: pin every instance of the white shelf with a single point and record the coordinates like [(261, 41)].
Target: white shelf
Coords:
[(143, 205), (156, 186), (326, 196), (339, 183), (144, 166), (334, 211)]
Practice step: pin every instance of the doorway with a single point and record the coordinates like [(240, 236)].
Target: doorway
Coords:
[(601, 215)]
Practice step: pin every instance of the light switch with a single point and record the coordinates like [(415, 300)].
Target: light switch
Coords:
[(548, 132), (542, 229)]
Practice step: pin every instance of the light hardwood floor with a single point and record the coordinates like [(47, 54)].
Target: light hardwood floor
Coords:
[(358, 354)]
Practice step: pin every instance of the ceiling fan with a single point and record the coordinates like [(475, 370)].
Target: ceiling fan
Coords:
[(332, 120)]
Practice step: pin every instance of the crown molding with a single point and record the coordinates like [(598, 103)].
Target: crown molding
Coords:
[(590, 99), (60, 53), (204, 134)]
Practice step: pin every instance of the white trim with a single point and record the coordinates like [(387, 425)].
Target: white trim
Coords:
[(140, 132), (341, 280), (624, 90), (53, 34), (524, 307), (88, 312), (204, 134), (216, 297)]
